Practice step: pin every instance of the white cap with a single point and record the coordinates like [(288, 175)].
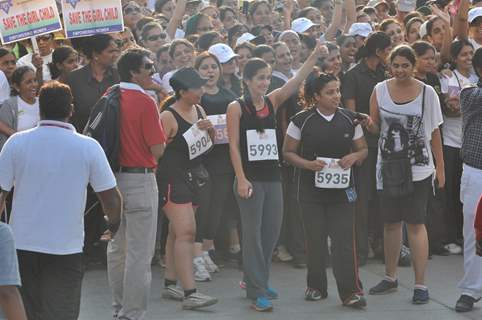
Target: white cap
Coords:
[(423, 30), (301, 25), (376, 3), (407, 5), (360, 29), (245, 37), (223, 52), (475, 13)]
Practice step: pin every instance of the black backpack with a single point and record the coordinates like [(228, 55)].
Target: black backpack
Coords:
[(104, 125)]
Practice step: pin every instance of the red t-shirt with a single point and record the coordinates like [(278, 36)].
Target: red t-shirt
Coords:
[(140, 128), (478, 221)]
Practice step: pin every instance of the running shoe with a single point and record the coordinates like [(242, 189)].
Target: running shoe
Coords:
[(453, 248), (465, 303), (420, 296), (385, 286), (200, 272), (262, 304), (355, 301), (211, 267), (198, 300), (312, 294), (242, 285), (272, 294), (283, 255), (173, 293)]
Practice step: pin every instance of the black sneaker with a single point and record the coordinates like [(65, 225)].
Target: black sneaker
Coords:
[(465, 303), (385, 286), (314, 295), (420, 296), (355, 301)]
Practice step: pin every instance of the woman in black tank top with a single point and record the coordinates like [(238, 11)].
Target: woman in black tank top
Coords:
[(180, 178), (254, 154)]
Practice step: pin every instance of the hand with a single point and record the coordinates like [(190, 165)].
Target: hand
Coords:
[(204, 124), (453, 104), (361, 119), (366, 123), (442, 14), (288, 7), (348, 161), (245, 188), (447, 73), (440, 175), (37, 61), (321, 50), (478, 247), (315, 165)]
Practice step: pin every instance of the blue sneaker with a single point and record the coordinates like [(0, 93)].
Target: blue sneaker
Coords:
[(272, 294), (262, 304), (420, 296)]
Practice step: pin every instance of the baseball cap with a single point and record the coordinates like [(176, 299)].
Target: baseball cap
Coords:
[(186, 78), (376, 3), (423, 30), (474, 14), (223, 52), (245, 37), (406, 5), (301, 25), (360, 29)]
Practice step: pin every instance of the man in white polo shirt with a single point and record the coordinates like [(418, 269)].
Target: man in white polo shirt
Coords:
[(50, 167)]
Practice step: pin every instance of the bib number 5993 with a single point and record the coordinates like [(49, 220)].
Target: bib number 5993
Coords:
[(262, 145)]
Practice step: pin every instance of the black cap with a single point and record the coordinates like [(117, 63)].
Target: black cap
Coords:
[(186, 78)]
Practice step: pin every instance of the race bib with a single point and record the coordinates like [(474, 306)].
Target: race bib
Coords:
[(219, 123), (198, 141), (262, 145), (332, 176)]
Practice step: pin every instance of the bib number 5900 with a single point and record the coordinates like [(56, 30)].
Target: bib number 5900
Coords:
[(198, 141)]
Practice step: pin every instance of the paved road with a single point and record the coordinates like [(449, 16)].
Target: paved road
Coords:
[(443, 273)]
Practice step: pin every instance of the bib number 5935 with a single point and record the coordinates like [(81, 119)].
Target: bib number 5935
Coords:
[(198, 141), (262, 145), (332, 176)]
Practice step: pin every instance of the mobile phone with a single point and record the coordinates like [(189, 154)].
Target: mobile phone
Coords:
[(360, 116)]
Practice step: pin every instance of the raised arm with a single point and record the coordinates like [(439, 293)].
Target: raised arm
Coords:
[(336, 21), (350, 11), (176, 19), (461, 26), (280, 95), (447, 41)]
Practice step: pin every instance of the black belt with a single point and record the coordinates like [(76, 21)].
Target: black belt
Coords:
[(135, 170)]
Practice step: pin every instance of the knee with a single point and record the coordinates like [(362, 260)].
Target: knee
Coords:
[(186, 234), (415, 228), (392, 227)]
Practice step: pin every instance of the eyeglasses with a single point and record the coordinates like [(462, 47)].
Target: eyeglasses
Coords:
[(156, 37), (148, 65), (130, 10), (47, 37)]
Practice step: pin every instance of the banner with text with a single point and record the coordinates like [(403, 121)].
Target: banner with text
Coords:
[(22, 19), (87, 17)]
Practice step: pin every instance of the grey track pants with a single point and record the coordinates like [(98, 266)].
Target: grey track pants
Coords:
[(261, 217)]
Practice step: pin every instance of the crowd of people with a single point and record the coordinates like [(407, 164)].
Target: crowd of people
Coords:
[(311, 132)]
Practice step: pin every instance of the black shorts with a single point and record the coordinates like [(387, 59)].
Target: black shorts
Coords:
[(176, 189), (411, 209)]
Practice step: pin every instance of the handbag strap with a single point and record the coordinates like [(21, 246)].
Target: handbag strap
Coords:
[(423, 110)]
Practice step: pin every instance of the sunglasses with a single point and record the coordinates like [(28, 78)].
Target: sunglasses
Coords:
[(156, 37), (148, 65), (130, 10)]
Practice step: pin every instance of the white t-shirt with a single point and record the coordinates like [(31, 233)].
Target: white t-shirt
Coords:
[(165, 81), (4, 87), (26, 60), (452, 127), (402, 129), (28, 114), (50, 167)]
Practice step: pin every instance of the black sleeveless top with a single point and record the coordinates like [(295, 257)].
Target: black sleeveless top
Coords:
[(176, 156), (328, 139), (266, 170)]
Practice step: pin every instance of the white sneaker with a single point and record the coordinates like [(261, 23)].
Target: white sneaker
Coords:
[(173, 293), (198, 300), (283, 255), (208, 262), (453, 248), (200, 272)]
